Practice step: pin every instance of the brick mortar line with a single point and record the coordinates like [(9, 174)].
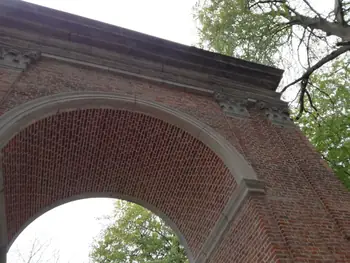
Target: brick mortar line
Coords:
[(270, 208), (12, 86), (314, 189), (236, 138)]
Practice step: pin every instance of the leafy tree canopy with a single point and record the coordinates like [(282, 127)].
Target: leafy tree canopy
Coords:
[(136, 235), (310, 39)]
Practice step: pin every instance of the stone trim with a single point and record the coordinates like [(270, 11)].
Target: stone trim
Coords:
[(188, 88), (18, 118), (277, 115), (246, 188), (3, 224), (236, 105), (190, 80), (16, 59), (232, 107), (34, 19)]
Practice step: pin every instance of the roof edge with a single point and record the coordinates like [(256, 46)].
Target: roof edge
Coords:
[(77, 25)]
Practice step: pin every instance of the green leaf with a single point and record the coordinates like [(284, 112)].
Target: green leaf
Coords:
[(137, 235)]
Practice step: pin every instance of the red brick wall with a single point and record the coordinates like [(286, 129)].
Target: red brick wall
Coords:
[(252, 237), (7, 79), (108, 151), (308, 202), (304, 216)]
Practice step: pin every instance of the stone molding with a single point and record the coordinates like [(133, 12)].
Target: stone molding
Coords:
[(62, 27), (277, 115), (18, 118), (17, 59), (237, 106), (231, 106), (3, 223), (25, 114), (246, 188)]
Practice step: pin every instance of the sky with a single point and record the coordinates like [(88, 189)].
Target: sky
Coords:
[(70, 228)]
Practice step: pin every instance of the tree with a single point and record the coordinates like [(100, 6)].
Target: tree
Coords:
[(136, 235), (37, 253), (311, 41), (330, 131)]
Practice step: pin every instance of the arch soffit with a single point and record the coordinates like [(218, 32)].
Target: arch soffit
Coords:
[(15, 120)]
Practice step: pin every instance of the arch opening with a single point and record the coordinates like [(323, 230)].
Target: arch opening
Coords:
[(75, 205), (67, 145)]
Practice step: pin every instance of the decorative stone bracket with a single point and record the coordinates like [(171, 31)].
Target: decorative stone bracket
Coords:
[(16, 59), (232, 107), (277, 113), (278, 116)]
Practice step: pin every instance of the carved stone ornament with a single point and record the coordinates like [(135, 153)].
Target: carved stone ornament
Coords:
[(16, 59), (279, 116), (232, 107)]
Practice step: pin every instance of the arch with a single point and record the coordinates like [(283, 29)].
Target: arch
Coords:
[(20, 117), (17, 119), (132, 199)]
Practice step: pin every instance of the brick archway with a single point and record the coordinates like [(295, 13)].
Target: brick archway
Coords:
[(293, 209), (57, 147)]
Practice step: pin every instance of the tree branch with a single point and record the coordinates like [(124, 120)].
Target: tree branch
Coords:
[(319, 64), (321, 24), (334, 164), (304, 79), (343, 43), (265, 2), (311, 8), (339, 12)]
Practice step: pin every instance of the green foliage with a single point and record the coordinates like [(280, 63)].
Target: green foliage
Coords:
[(136, 235), (277, 32), (229, 27), (329, 128)]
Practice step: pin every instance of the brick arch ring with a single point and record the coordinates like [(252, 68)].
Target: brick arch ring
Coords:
[(17, 119)]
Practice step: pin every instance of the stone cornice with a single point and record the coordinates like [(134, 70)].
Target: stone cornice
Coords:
[(41, 21), (82, 41), (233, 102)]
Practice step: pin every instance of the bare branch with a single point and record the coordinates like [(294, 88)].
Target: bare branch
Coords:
[(310, 101), (266, 2), (308, 49), (343, 43), (339, 12), (301, 40), (319, 64), (304, 79), (301, 100), (321, 24), (324, 93), (311, 8)]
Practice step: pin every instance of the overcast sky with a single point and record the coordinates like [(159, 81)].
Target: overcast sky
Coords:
[(70, 228)]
